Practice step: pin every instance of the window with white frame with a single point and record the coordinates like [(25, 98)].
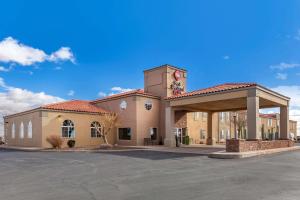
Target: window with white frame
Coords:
[(96, 129), (13, 131), (29, 129), (196, 116), (227, 134), (222, 135), (202, 134), (21, 131), (222, 114), (68, 130), (269, 122)]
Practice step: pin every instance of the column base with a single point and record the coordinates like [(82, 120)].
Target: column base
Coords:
[(169, 142), (211, 141)]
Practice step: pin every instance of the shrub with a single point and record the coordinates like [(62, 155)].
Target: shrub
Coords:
[(71, 143), (55, 141)]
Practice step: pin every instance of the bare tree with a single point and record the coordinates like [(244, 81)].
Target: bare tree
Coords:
[(240, 123), (108, 122)]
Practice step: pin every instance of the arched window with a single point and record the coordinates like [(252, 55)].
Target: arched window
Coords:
[(13, 131), (29, 129), (21, 131), (68, 129), (96, 129)]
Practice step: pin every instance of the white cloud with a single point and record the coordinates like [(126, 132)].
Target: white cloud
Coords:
[(63, 54), (14, 100), (281, 76), (71, 93), (226, 57), (120, 90), (13, 51), (5, 69), (297, 36), (102, 94), (57, 68), (293, 92), (283, 66), (114, 90)]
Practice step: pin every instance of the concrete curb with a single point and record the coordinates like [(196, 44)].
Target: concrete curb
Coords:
[(237, 155)]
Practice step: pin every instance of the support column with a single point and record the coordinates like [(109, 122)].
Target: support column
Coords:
[(284, 122), (253, 117), (212, 128), (169, 127)]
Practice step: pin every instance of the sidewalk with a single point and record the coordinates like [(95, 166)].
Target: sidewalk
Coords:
[(235, 155)]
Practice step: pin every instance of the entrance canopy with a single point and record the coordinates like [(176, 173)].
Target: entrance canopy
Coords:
[(230, 97)]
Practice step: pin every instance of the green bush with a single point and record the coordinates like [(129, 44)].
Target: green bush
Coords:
[(71, 143)]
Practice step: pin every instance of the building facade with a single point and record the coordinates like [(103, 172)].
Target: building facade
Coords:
[(142, 116)]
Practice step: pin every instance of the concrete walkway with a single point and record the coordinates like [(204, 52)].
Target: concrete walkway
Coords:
[(217, 151)]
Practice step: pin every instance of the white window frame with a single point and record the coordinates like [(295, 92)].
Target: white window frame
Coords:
[(21, 131), (74, 133), (13, 131), (29, 130), (97, 135)]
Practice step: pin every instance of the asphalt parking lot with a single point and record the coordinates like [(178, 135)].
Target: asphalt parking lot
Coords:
[(146, 175)]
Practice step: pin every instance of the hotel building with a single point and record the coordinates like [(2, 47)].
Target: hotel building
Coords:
[(157, 113)]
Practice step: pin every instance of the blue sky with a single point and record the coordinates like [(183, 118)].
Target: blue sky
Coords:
[(111, 42)]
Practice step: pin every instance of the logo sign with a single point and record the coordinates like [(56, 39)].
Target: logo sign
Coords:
[(177, 75), (148, 105), (123, 105), (177, 87)]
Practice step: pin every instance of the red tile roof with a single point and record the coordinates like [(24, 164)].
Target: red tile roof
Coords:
[(133, 92), (272, 115), (214, 89), (75, 105)]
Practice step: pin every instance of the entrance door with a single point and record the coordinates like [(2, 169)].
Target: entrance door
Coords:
[(181, 134)]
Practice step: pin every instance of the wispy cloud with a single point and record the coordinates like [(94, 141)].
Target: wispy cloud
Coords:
[(15, 100), (292, 91), (114, 90), (283, 66), (5, 69), (13, 51), (71, 93), (226, 57), (281, 76), (297, 36)]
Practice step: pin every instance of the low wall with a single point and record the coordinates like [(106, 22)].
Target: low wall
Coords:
[(240, 145)]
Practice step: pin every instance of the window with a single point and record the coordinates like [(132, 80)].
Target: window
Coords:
[(29, 129), (68, 130), (227, 116), (196, 116), (222, 136), (222, 116), (13, 131), (204, 116), (21, 131), (202, 134), (125, 133), (153, 133), (228, 134), (269, 122), (96, 129)]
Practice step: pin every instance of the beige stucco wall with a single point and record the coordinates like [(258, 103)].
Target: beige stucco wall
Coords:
[(52, 122), (158, 81), (34, 117), (147, 119), (127, 118)]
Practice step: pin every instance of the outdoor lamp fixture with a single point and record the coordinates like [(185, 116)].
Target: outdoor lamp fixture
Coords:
[(59, 117), (234, 123)]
